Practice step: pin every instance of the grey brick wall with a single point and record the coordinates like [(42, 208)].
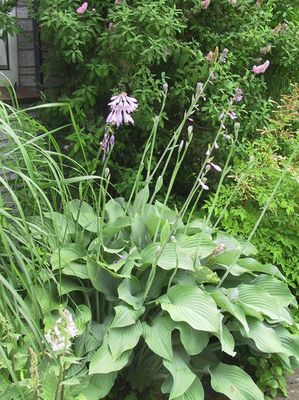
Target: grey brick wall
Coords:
[(26, 54)]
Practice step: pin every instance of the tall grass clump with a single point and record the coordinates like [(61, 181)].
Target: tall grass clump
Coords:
[(102, 293)]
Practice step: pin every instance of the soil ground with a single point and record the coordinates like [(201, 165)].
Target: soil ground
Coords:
[(293, 387)]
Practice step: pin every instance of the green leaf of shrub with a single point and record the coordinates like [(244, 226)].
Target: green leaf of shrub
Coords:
[(158, 337), (125, 316), (67, 254), (99, 386), (84, 214)]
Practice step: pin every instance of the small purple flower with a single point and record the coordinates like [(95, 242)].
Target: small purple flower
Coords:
[(238, 95), (121, 107), (216, 167), (203, 184)]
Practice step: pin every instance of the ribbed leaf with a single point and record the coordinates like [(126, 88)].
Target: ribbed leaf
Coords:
[(234, 383), (158, 337), (193, 341), (182, 376), (99, 386), (83, 316), (226, 305), (192, 305), (125, 316), (195, 392), (275, 288), (77, 270), (227, 341), (67, 254), (250, 264), (104, 280), (172, 255), (130, 292), (257, 299), (84, 214), (102, 361), (114, 210), (122, 339), (200, 243)]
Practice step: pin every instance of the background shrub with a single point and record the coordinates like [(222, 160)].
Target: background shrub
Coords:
[(277, 236), (136, 46)]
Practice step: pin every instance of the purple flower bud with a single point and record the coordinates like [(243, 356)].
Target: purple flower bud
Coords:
[(112, 140), (223, 55), (232, 115)]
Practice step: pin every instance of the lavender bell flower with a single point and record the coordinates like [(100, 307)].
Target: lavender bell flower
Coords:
[(260, 69), (121, 107), (205, 4), (238, 95), (232, 115)]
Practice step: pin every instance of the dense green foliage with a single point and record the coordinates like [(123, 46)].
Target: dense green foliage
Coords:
[(8, 23), (277, 237), (159, 303), (138, 45)]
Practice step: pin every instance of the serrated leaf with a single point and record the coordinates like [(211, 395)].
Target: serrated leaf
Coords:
[(234, 383), (122, 339), (182, 376), (194, 306)]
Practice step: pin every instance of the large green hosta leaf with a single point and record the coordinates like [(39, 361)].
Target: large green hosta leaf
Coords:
[(130, 292), (84, 214), (257, 299), (99, 386), (275, 288), (125, 316), (122, 339), (182, 376), (200, 244), (104, 280), (234, 383), (252, 265), (195, 392), (265, 338), (194, 306), (227, 341), (102, 362), (66, 254), (158, 337), (193, 341), (172, 256), (226, 305)]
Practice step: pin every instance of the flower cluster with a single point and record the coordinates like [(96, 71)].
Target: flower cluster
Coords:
[(82, 8), (121, 107), (59, 337), (260, 69), (106, 143)]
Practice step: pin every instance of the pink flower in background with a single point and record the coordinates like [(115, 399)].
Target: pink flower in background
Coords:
[(117, 2), (121, 108), (260, 69), (82, 8), (233, 2), (205, 4)]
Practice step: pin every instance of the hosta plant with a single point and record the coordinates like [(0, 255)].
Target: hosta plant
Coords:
[(131, 293)]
